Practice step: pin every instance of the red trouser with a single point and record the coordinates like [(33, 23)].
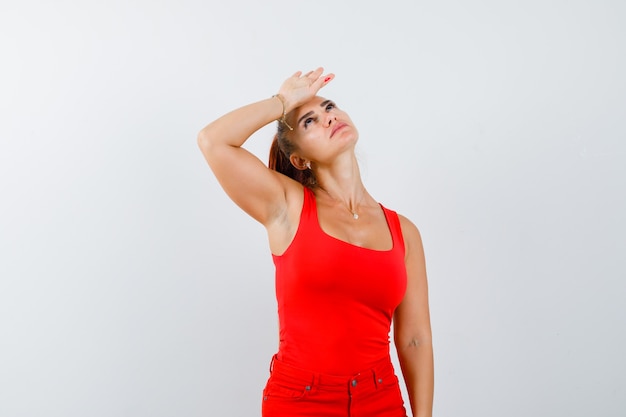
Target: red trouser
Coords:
[(293, 392)]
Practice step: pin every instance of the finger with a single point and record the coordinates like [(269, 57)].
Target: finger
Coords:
[(322, 81), (316, 74), (296, 74)]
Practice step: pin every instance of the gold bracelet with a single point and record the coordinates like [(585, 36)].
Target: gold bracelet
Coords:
[(283, 119)]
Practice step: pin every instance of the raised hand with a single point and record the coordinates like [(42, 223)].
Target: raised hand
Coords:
[(299, 88)]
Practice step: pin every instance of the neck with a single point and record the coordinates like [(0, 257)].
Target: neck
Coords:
[(342, 182)]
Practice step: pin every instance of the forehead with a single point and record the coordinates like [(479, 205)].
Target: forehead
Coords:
[(312, 104), (316, 100)]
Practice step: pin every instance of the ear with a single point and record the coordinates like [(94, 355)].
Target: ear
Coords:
[(298, 162)]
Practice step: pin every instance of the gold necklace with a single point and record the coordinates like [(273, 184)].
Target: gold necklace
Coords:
[(355, 215)]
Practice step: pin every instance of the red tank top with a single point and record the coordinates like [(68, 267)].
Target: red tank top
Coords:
[(336, 300)]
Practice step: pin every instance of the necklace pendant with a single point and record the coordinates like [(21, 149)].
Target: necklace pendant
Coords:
[(355, 216)]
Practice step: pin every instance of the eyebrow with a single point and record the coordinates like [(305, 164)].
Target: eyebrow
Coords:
[(322, 104)]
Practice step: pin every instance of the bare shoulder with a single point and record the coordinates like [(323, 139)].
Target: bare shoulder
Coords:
[(414, 256), (410, 232)]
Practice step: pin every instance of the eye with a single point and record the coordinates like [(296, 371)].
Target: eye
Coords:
[(330, 106), (308, 121)]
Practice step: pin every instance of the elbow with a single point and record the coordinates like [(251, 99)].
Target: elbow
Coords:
[(204, 141), (414, 342)]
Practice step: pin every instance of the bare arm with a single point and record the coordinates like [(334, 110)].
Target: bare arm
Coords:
[(412, 332), (255, 188), (247, 181)]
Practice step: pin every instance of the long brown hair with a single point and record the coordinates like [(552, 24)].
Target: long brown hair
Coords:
[(280, 151)]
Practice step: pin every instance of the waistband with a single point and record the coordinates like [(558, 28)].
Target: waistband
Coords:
[(379, 373)]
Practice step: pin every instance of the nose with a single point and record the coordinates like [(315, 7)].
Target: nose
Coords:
[(331, 119)]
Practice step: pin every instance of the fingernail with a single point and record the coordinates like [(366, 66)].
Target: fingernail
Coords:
[(327, 79)]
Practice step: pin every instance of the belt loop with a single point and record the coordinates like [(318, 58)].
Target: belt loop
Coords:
[(379, 376)]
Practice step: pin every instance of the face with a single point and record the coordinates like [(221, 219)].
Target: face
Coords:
[(322, 130)]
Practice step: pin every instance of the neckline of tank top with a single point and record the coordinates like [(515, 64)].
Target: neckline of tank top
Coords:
[(386, 213)]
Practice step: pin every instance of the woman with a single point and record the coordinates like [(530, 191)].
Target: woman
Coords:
[(345, 265)]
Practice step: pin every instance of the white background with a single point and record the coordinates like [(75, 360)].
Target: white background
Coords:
[(131, 286)]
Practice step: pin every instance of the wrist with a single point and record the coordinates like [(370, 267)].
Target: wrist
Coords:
[(283, 118)]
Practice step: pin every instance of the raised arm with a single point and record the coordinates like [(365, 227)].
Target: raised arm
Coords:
[(255, 188), (412, 331)]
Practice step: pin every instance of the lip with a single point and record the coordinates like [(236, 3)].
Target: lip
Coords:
[(338, 126)]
